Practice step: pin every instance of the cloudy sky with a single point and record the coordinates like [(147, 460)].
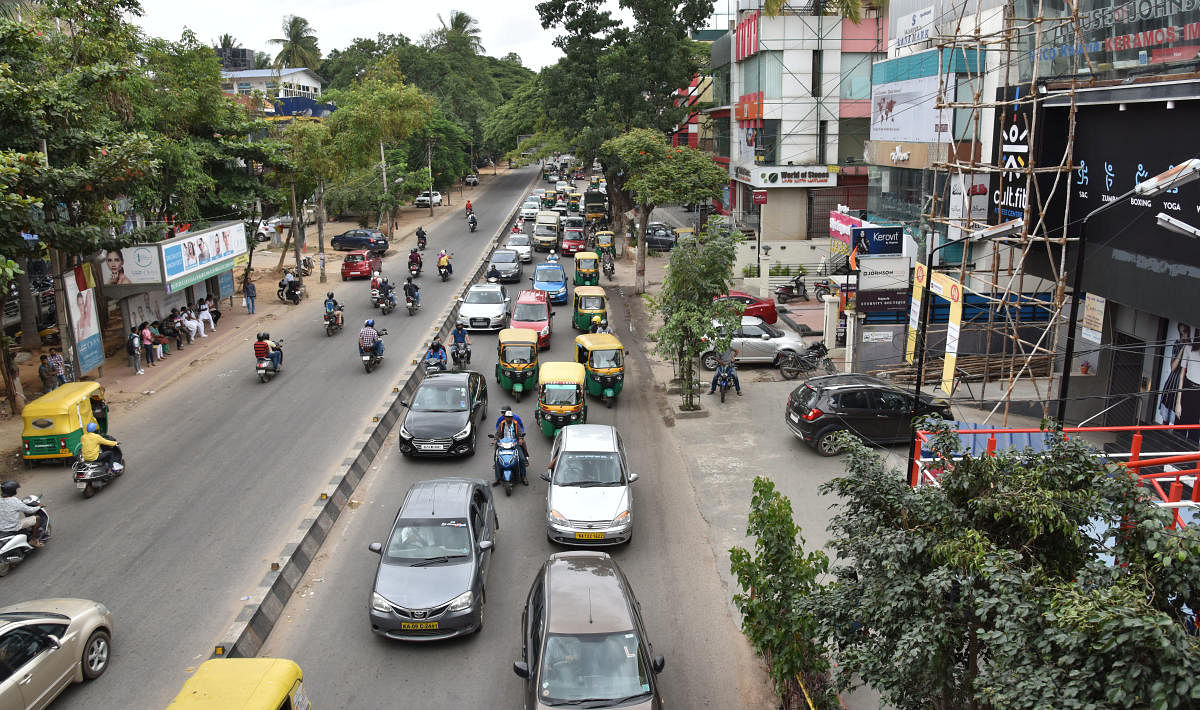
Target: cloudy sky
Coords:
[(506, 25)]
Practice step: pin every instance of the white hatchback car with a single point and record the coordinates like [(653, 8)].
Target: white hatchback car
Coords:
[(522, 245), (529, 209), (589, 500)]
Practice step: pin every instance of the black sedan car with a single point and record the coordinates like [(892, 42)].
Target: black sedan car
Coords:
[(370, 239), (432, 574), (660, 237), (508, 263), (874, 409), (445, 415)]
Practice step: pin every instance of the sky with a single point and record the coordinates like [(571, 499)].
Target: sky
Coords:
[(506, 25)]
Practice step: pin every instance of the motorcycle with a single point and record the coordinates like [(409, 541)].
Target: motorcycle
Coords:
[(91, 476), (414, 269), (265, 367), (724, 380), (609, 265), (421, 242), (434, 365), (472, 223), (444, 272), (369, 359), (412, 305), (385, 304), (794, 289), (331, 323), (306, 267), (286, 296), (791, 365), (15, 545), (507, 461), (460, 353)]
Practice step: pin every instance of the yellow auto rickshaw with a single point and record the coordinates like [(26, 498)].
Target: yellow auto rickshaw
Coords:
[(590, 301), (573, 201), (603, 242), (587, 268), (55, 422), (603, 358), (245, 684), (560, 396), (517, 360)]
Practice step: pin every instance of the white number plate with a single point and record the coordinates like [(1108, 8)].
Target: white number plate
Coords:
[(366, 358), (431, 447), (794, 417), (81, 485)]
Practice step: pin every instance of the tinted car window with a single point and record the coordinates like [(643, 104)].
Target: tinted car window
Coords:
[(504, 257), (592, 666), (440, 397), (893, 401), (854, 399), (427, 539), (805, 396), (19, 647), (354, 258), (751, 330)]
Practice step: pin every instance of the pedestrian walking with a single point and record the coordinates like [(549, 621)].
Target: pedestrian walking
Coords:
[(47, 375), (206, 314), (147, 343), (133, 346), (251, 293), (60, 368)]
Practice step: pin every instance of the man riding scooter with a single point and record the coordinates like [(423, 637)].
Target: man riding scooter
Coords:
[(421, 237), (265, 347), (472, 222), (444, 261), (97, 449), (414, 257), (509, 425), (16, 515)]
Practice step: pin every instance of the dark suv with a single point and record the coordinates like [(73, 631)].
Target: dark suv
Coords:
[(583, 642), (372, 240), (870, 407)]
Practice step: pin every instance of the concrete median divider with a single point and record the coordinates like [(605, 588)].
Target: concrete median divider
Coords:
[(249, 631)]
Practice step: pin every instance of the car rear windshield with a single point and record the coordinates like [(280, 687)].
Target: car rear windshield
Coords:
[(436, 396), (488, 297), (588, 468), (353, 258), (592, 667), (805, 397), (504, 257), (417, 540), (529, 313), (549, 273)]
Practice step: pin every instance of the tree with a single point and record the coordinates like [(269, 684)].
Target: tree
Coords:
[(774, 584), (8, 274), (461, 32), (849, 9), (343, 66), (656, 173), (998, 589), (515, 117), (227, 41), (298, 46), (262, 60)]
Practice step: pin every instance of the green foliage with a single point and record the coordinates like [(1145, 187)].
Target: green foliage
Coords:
[(850, 9), (342, 66), (298, 45), (750, 271), (377, 108), (515, 117), (775, 583), (781, 269), (989, 590)]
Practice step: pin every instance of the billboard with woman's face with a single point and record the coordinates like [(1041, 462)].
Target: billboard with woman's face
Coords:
[(131, 265), (191, 252), (1179, 391)]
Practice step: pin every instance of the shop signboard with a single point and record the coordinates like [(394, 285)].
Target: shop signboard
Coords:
[(906, 111), (1009, 188), (915, 27), (883, 283), (132, 265), (1093, 318), (878, 241), (968, 204), (772, 176), (841, 226), (760, 197)]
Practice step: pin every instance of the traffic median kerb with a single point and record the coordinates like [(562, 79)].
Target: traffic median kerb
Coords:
[(249, 631)]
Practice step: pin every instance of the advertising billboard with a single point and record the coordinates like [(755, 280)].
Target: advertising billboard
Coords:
[(86, 324), (132, 265), (196, 256), (905, 111)]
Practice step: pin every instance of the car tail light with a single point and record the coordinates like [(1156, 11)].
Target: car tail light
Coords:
[(812, 414)]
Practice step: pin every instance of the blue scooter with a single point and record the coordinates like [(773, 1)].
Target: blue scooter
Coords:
[(508, 462)]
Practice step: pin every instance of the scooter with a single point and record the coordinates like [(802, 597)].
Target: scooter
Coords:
[(412, 305), (15, 546), (91, 476), (460, 353), (385, 304), (265, 367), (414, 269), (472, 223), (369, 359), (434, 365), (444, 272), (794, 289), (331, 323), (609, 265), (507, 461), (421, 241)]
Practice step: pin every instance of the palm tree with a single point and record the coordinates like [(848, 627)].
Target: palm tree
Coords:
[(227, 41), (849, 9), (299, 44), (262, 60), (462, 29)]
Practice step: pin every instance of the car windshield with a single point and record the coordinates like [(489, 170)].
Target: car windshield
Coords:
[(606, 358), (489, 296), (353, 258), (428, 539), (588, 468), (592, 667), (518, 240), (585, 264), (591, 303), (504, 257), (529, 313), (518, 354), (575, 234), (549, 273), (436, 396), (531, 205), (560, 395), (543, 230)]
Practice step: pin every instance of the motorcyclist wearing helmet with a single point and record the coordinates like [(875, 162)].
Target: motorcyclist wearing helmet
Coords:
[(436, 351), (472, 220), (97, 448), (265, 347), (599, 325), (509, 425), (492, 273), (414, 257), (385, 290), (468, 209), (421, 237), (369, 340), (444, 260), (516, 228), (332, 306), (17, 515), (412, 290)]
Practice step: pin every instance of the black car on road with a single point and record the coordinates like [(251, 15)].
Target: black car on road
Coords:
[(508, 263), (444, 415), (370, 239), (432, 575), (874, 409)]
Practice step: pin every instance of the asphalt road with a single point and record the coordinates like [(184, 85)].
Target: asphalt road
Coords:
[(221, 470), (669, 562)]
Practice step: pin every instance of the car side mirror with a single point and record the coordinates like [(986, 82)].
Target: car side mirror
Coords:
[(521, 668), (485, 545), (376, 547), (491, 436), (507, 300), (404, 404), (658, 664), (546, 476), (551, 314), (633, 477), (54, 642), (459, 300), (766, 336)]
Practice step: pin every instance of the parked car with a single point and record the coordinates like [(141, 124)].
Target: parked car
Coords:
[(522, 245), (424, 199), (530, 208), (508, 263), (48, 644), (471, 180), (370, 239), (757, 342), (583, 640), (359, 264), (484, 307), (874, 409), (532, 311), (444, 415), (590, 497), (433, 568), (660, 237), (552, 278), (754, 306)]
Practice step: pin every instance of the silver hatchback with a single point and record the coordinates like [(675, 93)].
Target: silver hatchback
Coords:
[(590, 499), (757, 342)]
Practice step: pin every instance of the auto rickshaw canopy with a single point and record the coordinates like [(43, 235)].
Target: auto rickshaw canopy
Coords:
[(243, 684)]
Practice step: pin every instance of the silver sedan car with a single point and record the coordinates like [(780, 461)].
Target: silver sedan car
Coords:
[(757, 342), (48, 644), (484, 307)]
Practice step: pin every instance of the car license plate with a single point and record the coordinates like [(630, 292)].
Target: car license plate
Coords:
[(589, 536), (81, 484), (794, 417), (431, 447), (418, 625)]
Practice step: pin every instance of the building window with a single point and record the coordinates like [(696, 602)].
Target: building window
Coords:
[(227, 86), (771, 77), (766, 147), (271, 85), (856, 75), (852, 136), (750, 75), (720, 129), (816, 72), (721, 93), (822, 141), (243, 85)]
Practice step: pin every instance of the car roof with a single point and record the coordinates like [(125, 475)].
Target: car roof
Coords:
[(531, 295), (584, 594), (485, 287), (439, 498), (359, 252), (460, 376), (506, 251), (849, 379), (589, 437), (741, 294)]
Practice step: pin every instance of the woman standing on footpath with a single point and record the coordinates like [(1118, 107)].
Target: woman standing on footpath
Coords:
[(147, 343)]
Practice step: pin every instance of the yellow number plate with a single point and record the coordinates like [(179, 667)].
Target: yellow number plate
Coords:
[(589, 536), (418, 625)]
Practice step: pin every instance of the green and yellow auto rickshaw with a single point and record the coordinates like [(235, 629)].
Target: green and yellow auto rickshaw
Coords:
[(573, 201), (604, 242), (590, 301), (603, 358), (549, 197), (244, 683), (55, 422), (517, 360), (560, 396), (587, 268)]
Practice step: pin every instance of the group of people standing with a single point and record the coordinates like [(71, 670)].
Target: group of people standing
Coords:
[(151, 341)]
